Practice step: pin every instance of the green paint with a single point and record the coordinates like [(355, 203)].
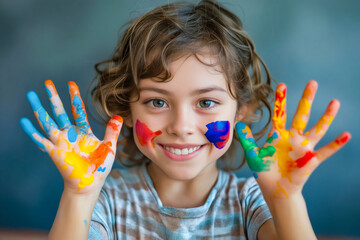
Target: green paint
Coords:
[(254, 157)]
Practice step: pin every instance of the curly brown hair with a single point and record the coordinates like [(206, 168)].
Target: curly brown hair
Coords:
[(153, 41)]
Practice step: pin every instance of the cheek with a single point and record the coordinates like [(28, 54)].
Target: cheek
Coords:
[(145, 135), (218, 133)]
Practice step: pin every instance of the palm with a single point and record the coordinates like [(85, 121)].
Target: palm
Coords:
[(284, 163), (82, 159)]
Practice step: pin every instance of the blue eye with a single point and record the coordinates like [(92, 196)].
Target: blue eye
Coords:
[(206, 103), (157, 103)]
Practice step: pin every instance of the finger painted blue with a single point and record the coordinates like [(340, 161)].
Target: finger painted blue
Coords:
[(45, 120), (218, 133), (81, 120), (30, 130)]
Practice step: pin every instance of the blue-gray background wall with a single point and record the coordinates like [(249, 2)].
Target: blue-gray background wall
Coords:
[(62, 40)]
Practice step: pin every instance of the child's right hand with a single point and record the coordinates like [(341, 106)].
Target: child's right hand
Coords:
[(81, 158)]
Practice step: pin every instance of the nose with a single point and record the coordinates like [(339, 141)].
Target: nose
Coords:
[(182, 122)]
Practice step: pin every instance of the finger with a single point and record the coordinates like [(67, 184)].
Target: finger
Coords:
[(99, 157), (279, 117), (332, 147), (302, 114), (321, 127), (78, 109), (45, 121), (44, 144), (112, 130), (57, 107)]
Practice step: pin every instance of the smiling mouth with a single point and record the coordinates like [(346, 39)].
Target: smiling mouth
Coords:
[(181, 151)]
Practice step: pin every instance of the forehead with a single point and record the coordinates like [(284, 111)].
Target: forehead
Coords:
[(191, 71)]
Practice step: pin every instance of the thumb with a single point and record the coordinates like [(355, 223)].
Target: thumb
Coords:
[(113, 130)]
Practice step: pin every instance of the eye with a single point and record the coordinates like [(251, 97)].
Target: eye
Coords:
[(206, 103), (157, 103)]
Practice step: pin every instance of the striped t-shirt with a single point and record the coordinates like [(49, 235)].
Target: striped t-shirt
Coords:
[(129, 208)]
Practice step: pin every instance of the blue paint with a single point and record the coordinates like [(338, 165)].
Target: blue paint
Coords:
[(29, 129), (45, 120), (255, 175), (85, 222), (252, 153), (100, 169), (72, 134), (63, 120), (218, 133), (80, 121)]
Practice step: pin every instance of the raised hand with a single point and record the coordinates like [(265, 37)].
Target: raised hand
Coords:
[(284, 163), (82, 159)]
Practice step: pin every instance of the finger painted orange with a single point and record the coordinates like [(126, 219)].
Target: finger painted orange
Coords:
[(144, 134)]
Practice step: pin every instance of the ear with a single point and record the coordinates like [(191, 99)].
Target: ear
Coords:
[(241, 113), (128, 121)]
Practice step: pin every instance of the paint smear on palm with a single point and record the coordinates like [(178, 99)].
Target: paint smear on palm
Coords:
[(254, 155), (91, 154), (144, 134), (303, 110), (218, 133)]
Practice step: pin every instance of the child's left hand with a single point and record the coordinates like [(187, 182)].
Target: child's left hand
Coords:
[(284, 163)]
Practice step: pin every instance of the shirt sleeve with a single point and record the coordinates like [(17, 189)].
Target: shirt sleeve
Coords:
[(256, 210), (102, 219)]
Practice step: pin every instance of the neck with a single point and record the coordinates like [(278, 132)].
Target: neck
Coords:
[(183, 193)]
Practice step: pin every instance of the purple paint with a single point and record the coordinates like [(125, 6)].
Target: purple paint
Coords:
[(218, 133)]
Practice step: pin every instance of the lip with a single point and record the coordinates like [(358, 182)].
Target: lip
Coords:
[(180, 158)]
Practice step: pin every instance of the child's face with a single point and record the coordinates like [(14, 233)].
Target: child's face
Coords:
[(170, 119)]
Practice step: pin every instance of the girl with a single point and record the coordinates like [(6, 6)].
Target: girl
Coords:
[(184, 78)]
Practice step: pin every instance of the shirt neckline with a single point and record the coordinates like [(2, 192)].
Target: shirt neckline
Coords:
[(185, 212)]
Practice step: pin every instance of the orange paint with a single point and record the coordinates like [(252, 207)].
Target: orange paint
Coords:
[(279, 109), (51, 87), (98, 156)]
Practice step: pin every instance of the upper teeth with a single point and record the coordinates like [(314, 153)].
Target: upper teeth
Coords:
[(183, 151)]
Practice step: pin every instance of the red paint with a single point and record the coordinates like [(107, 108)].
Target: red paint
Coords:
[(98, 156), (144, 134), (305, 159), (342, 140)]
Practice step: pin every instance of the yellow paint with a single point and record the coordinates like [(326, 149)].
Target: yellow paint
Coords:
[(307, 173), (305, 142), (323, 120), (87, 145), (64, 166), (62, 138), (285, 162), (303, 110), (280, 190), (81, 168)]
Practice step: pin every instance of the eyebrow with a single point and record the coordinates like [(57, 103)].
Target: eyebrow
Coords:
[(195, 92)]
